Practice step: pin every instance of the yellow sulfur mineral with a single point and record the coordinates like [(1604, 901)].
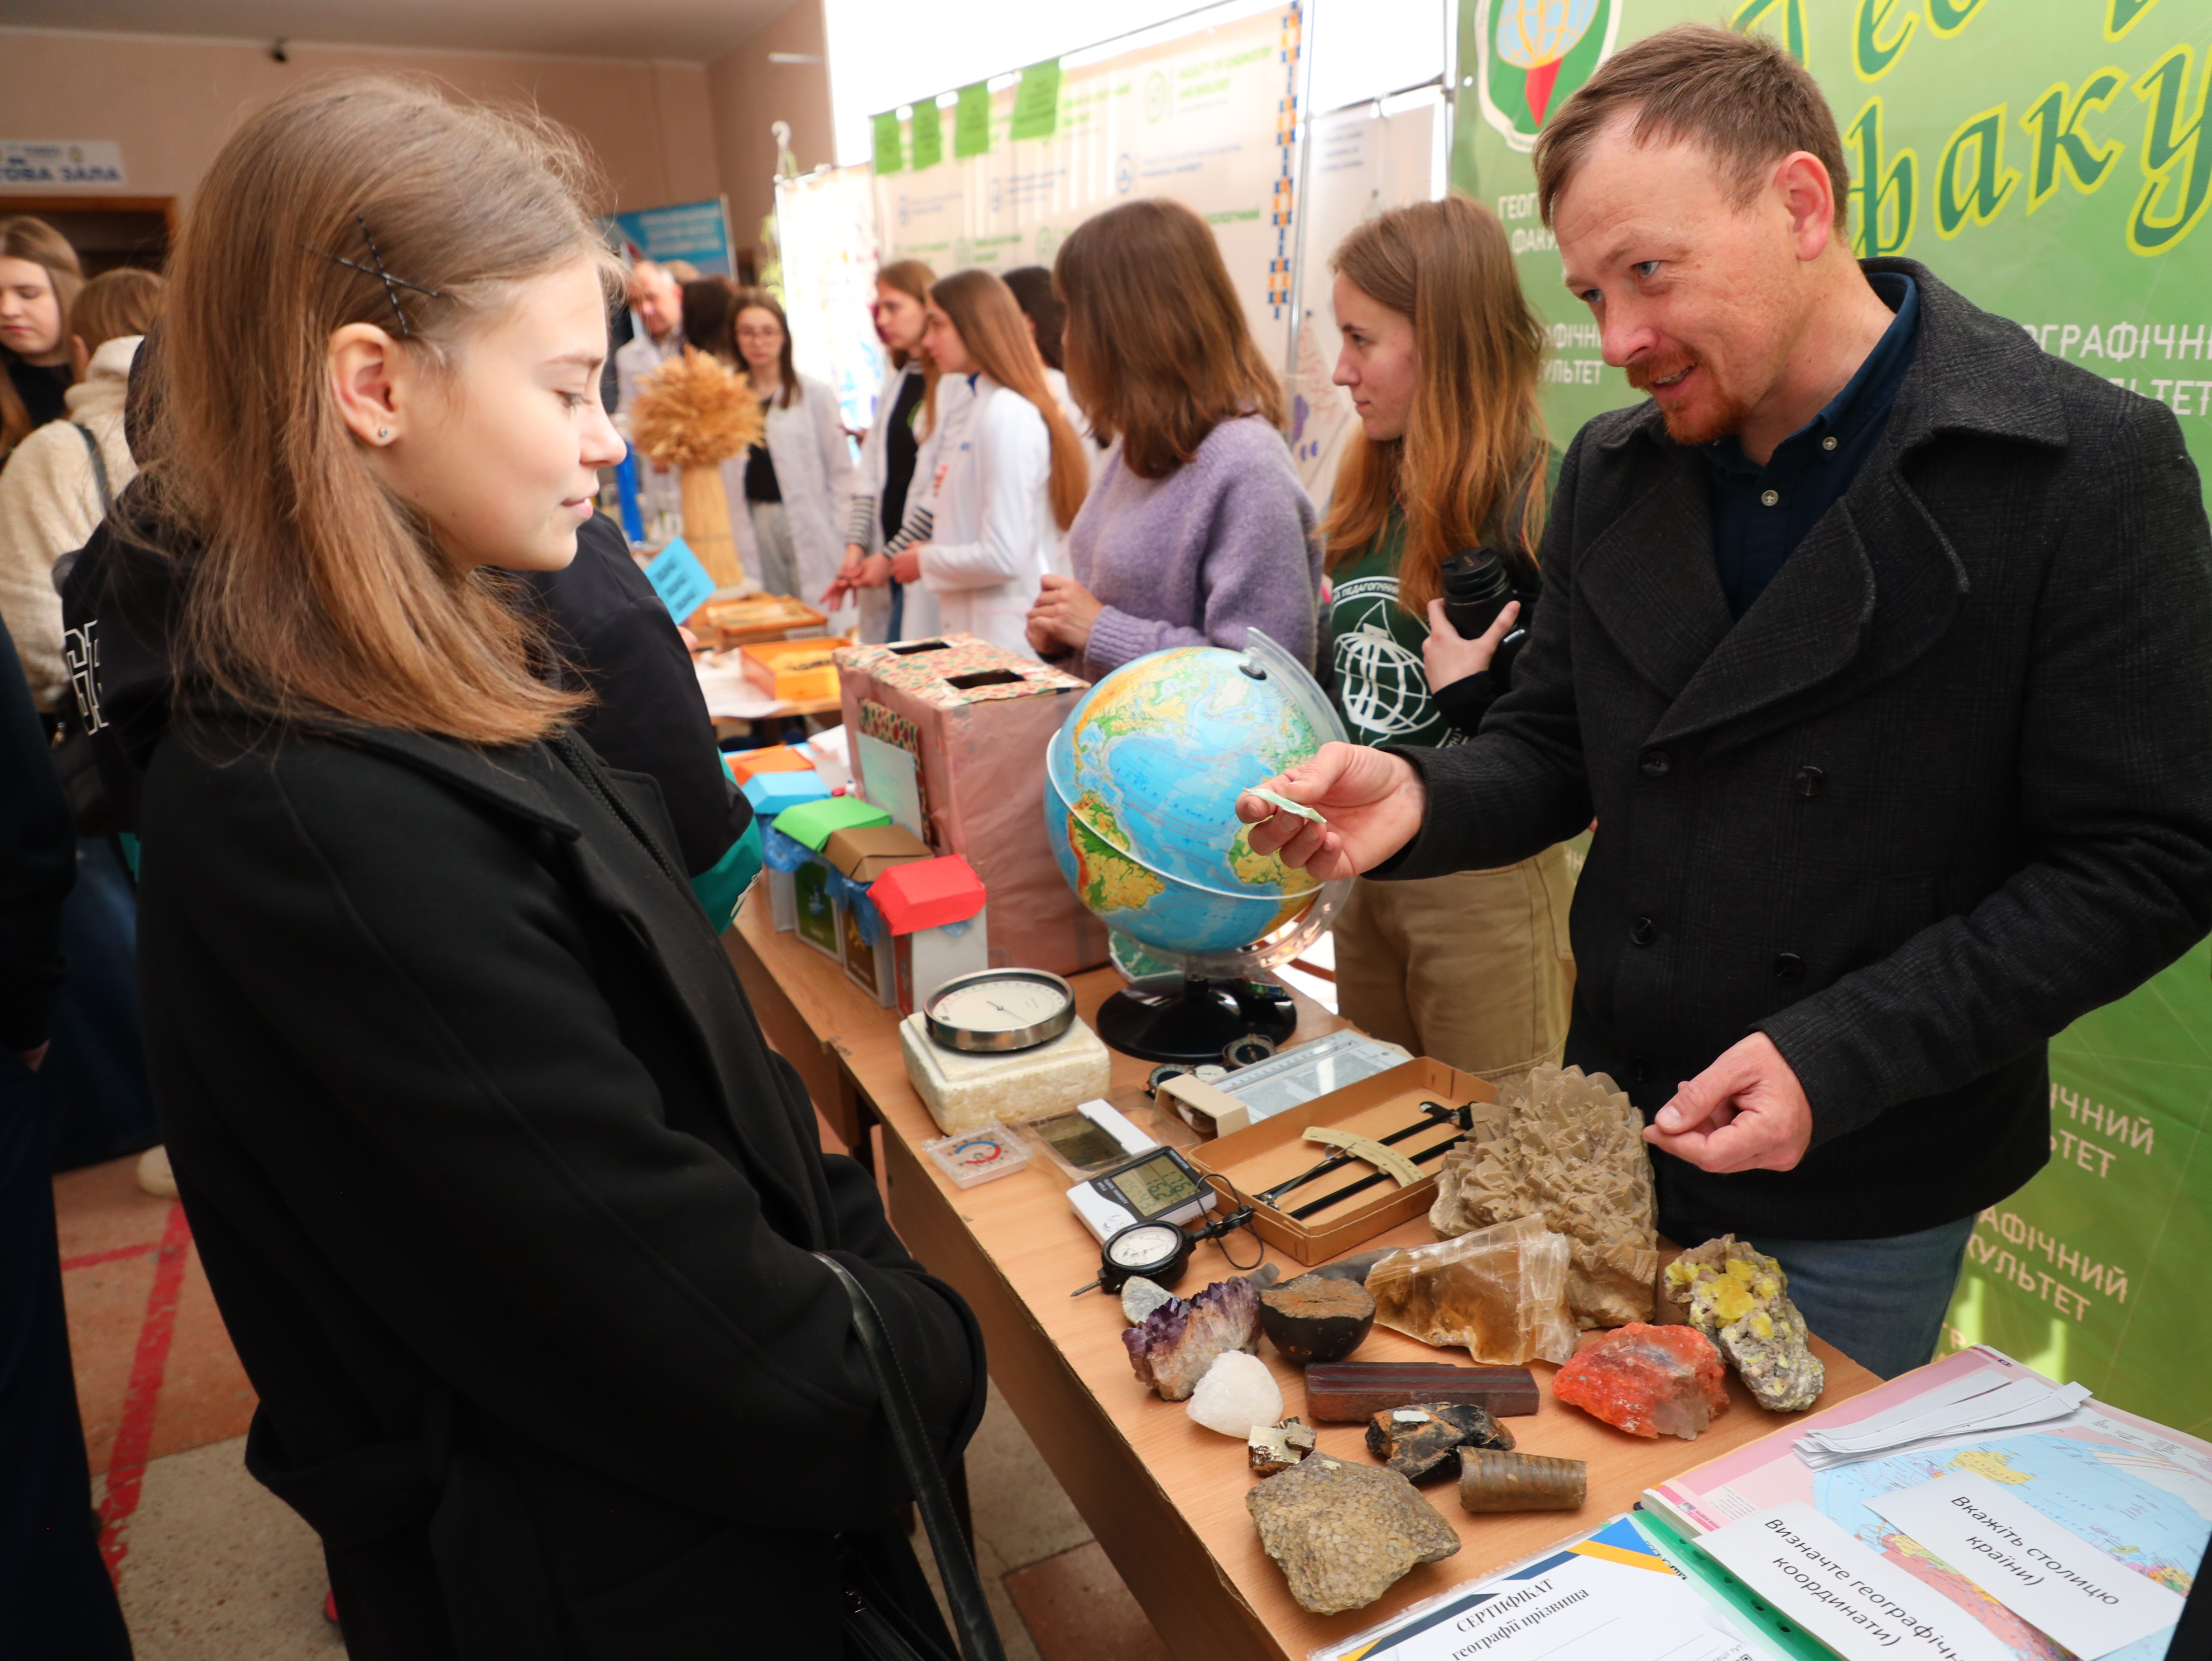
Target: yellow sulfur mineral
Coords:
[(1738, 1298)]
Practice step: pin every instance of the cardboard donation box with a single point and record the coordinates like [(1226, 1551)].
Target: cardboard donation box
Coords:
[(813, 882), (794, 670), (746, 765), (949, 735), (1275, 1150), (860, 855), (933, 910)]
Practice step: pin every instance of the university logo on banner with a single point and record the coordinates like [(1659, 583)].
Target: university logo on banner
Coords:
[(1532, 54)]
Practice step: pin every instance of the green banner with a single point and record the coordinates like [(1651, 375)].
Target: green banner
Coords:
[(928, 142), (1036, 101), (2051, 159), (890, 154), (971, 121)]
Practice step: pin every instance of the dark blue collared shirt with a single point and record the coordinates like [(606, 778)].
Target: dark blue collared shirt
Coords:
[(1761, 514)]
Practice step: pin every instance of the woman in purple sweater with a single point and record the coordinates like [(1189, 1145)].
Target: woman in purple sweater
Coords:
[(1197, 528)]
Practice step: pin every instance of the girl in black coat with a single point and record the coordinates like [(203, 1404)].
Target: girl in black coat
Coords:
[(506, 1204)]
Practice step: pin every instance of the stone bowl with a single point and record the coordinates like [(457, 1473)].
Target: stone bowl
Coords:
[(1316, 1317)]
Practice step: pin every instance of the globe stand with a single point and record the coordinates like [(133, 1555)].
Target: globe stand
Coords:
[(1191, 1019)]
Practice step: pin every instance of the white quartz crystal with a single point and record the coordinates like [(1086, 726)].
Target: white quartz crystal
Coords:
[(1236, 1395)]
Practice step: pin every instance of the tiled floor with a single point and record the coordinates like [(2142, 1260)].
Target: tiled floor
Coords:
[(213, 1567)]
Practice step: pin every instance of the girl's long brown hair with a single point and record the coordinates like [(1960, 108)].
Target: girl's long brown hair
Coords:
[(1156, 348), (1475, 436), (710, 310), (316, 592), (982, 309), (34, 240)]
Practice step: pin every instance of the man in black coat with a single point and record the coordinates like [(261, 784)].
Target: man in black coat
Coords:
[(56, 1600), (1878, 648)]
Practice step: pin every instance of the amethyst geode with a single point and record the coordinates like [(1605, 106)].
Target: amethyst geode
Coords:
[(1171, 1348)]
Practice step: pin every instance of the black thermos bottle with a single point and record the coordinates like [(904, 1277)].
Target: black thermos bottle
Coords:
[(1477, 587)]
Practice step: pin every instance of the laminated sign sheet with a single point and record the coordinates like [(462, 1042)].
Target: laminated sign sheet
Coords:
[(1607, 1598), (2076, 1535)]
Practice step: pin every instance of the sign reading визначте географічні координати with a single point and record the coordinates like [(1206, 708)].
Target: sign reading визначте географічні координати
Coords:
[(2040, 1569), (1812, 1572)]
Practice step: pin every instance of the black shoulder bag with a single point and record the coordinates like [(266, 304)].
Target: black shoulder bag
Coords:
[(71, 753), (874, 1627)]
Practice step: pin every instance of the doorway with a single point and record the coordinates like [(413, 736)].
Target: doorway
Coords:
[(106, 231)]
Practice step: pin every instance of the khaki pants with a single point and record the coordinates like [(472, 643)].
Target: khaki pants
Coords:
[(1473, 968)]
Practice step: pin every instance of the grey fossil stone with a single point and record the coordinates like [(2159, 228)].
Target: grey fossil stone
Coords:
[(1344, 1534)]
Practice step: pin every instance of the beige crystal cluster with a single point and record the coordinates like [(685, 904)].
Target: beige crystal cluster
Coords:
[(1568, 1149)]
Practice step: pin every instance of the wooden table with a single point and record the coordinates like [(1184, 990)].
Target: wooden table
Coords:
[(1164, 1496)]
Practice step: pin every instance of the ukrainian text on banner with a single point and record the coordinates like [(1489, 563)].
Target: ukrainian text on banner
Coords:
[(2053, 160), (1209, 119)]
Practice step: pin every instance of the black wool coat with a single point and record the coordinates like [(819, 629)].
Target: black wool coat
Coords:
[(508, 1207), (1944, 787)]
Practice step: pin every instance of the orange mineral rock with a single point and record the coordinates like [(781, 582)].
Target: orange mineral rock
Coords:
[(1646, 1380)]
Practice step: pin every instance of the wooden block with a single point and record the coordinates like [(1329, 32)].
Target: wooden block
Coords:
[(1343, 1392)]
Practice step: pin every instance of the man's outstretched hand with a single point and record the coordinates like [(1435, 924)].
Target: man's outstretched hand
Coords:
[(1374, 805), (1744, 1113)]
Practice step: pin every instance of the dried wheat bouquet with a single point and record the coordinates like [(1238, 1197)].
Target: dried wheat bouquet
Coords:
[(692, 412)]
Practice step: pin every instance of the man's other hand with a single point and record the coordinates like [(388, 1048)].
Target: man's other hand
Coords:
[(1374, 805), (1744, 1113)]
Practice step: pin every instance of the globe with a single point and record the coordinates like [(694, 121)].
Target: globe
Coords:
[(1141, 784)]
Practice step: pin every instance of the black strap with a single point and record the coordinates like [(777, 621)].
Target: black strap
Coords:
[(956, 1567), (98, 467)]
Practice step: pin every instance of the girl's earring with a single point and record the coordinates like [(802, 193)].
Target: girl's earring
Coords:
[(384, 432)]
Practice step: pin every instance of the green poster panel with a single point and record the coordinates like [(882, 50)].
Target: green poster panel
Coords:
[(890, 155), (2051, 159), (1036, 101), (928, 134), (971, 121)]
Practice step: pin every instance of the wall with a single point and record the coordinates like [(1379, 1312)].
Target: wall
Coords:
[(171, 101), (747, 93)]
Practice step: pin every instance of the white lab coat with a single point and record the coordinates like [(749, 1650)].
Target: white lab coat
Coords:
[(996, 537), (814, 471)]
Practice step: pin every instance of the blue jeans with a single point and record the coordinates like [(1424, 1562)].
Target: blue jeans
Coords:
[(96, 1072), (1881, 1302)]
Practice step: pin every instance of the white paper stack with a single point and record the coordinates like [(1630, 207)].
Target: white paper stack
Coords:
[(1966, 1407)]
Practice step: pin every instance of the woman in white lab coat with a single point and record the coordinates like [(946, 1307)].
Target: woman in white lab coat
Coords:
[(797, 486), (1008, 485)]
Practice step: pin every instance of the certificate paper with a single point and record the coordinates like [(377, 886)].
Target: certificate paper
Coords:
[(2040, 1570), (1607, 1598), (1813, 1572)]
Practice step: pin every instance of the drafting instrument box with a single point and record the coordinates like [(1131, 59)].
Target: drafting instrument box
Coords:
[(1249, 1162)]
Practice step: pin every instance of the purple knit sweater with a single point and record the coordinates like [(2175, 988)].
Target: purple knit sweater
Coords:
[(1223, 543)]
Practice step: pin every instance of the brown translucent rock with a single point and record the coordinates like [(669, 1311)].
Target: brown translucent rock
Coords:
[(1571, 1150), (1316, 1318), (1738, 1298), (1345, 1534), (1425, 1440), (1646, 1380), (1277, 1447), (1492, 1482), (1172, 1348), (1501, 1291)]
